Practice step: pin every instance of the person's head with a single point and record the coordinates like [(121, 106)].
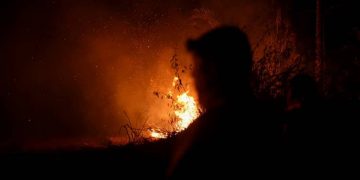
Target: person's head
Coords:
[(302, 91), (223, 62)]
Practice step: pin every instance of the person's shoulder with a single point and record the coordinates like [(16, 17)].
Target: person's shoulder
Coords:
[(203, 125)]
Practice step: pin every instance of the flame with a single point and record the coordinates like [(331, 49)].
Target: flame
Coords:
[(175, 80), (186, 111), (157, 135)]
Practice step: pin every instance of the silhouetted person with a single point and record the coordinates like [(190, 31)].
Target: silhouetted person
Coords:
[(318, 135), (303, 112), (302, 93), (230, 136), (307, 125)]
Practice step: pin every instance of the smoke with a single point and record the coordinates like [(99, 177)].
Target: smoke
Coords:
[(73, 69)]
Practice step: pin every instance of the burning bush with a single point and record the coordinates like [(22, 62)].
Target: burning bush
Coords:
[(183, 109)]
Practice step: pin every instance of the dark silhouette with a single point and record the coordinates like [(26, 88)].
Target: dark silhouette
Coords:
[(231, 131), (318, 133), (303, 111), (302, 93), (223, 66)]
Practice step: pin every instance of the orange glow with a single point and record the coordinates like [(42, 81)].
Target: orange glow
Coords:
[(175, 80), (157, 135), (186, 111)]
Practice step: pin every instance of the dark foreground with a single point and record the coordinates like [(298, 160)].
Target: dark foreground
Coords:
[(332, 150)]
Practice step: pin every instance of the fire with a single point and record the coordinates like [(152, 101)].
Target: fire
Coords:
[(157, 135), (186, 111), (175, 80)]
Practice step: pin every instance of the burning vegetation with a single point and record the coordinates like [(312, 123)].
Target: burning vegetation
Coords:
[(183, 109)]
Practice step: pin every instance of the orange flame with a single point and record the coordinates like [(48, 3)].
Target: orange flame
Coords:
[(157, 135), (186, 112)]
